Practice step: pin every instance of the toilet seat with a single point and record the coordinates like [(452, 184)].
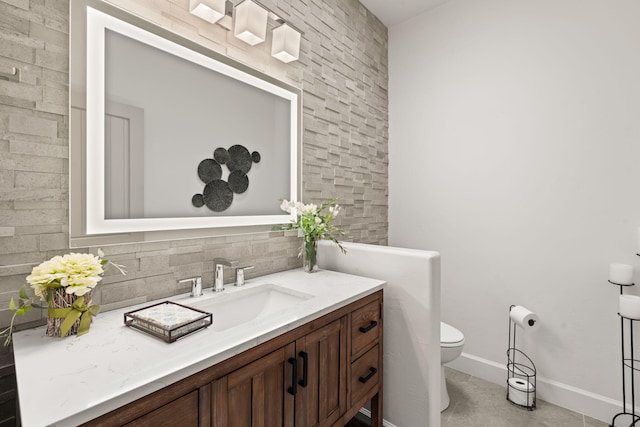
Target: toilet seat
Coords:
[(450, 336)]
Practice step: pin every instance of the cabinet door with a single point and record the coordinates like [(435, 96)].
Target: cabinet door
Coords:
[(321, 400), (256, 395)]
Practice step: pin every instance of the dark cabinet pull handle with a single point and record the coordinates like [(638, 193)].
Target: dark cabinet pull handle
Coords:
[(371, 373), (372, 325), (305, 368), (294, 376)]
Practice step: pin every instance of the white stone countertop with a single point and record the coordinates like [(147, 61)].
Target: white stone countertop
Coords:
[(68, 381)]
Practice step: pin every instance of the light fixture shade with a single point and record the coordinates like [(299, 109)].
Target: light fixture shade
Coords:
[(209, 10), (285, 44), (250, 24)]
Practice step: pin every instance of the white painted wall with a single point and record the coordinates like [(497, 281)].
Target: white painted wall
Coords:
[(515, 152), (411, 325)]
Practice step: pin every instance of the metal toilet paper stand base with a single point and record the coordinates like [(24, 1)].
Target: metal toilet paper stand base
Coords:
[(521, 374), (629, 364)]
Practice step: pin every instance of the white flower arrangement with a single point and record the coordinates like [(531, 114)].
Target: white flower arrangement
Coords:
[(76, 273), (313, 222)]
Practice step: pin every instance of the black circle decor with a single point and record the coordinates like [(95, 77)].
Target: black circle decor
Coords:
[(221, 155), (240, 159), (217, 195), (209, 170), (255, 156), (238, 182), (197, 200)]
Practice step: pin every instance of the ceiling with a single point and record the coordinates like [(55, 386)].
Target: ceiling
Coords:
[(392, 12)]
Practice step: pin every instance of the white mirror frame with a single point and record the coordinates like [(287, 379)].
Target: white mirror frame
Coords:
[(99, 18)]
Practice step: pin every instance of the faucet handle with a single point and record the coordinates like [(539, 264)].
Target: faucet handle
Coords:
[(196, 285), (240, 274)]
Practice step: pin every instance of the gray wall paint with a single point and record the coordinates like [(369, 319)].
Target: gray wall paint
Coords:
[(525, 149), (342, 70)]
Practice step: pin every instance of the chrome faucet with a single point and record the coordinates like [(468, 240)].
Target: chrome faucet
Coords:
[(218, 280), (196, 285), (240, 274)]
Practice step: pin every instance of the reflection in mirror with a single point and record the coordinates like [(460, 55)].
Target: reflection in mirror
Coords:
[(168, 135)]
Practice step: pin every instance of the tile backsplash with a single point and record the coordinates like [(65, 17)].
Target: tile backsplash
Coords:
[(342, 71)]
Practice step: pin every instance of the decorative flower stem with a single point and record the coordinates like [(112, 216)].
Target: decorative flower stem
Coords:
[(310, 255)]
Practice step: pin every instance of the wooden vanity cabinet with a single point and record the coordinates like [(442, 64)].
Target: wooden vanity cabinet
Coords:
[(319, 374), (321, 394), (254, 395)]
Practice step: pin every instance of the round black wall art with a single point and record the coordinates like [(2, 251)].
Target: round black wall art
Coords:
[(255, 156), (240, 159), (221, 155), (209, 170), (197, 200), (218, 193), (238, 182)]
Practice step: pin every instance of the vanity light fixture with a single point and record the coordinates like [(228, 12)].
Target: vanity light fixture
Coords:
[(285, 45), (210, 10), (250, 22)]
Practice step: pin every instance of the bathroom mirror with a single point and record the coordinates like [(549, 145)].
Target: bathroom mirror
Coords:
[(169, 139)]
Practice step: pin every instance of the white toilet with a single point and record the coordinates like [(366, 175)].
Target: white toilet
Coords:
[(451, 343)]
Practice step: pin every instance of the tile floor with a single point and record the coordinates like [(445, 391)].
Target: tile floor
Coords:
[(478, 403)]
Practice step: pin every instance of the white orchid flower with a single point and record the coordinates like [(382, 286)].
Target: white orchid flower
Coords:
[(286, 206)]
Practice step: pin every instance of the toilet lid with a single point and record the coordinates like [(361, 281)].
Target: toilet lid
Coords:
[(449, 334)]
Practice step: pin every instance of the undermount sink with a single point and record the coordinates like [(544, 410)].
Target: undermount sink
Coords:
[(236, 308)]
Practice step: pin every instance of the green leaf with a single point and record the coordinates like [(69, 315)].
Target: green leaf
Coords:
[(12, 304), (23, 292)]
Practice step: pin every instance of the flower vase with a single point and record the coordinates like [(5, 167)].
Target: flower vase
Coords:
[(62, 300), (309, 256)]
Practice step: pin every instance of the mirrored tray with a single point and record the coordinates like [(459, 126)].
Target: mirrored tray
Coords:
[(168, 320)]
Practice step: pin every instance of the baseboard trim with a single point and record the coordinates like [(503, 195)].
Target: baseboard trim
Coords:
[(585, 402), (367, 413)]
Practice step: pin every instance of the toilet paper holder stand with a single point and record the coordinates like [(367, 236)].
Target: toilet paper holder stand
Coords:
[(521, 373)]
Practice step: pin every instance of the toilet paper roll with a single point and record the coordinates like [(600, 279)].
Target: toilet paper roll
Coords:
[(524, 318), (521, 391)]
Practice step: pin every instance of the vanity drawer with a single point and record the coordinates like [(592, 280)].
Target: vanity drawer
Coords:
[(182, 412), (364, 374), (365, 327)]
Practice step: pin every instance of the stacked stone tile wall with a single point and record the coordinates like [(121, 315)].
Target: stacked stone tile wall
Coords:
[(342, 71)]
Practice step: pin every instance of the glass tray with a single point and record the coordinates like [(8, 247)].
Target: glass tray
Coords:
[(168, 320)]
